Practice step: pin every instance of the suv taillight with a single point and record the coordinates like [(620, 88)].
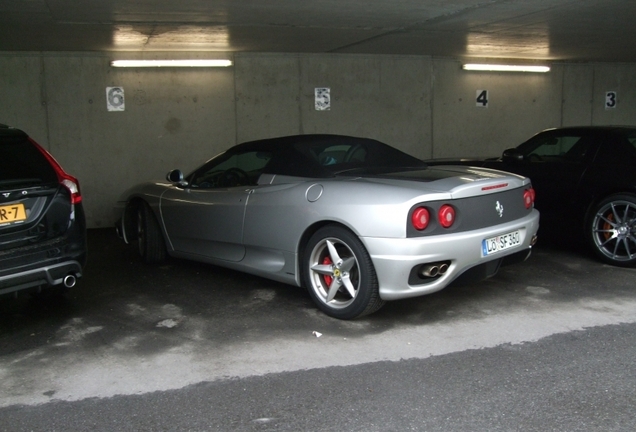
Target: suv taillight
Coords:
[(66, 180)]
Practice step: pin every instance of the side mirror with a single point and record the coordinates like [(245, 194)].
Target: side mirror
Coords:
[(175, 176), (512, 155)]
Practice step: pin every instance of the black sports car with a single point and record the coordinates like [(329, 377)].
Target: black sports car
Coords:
[(585, 181)]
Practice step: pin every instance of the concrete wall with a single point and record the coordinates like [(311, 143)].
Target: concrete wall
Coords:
[(385, 98), (178, 118)]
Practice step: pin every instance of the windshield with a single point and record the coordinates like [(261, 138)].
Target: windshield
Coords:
[(572, 146), (23, 164), (367, 155)]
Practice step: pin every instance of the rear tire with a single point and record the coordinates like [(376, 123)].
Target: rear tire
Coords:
[(611, 230), (152, 247), (339, 274)]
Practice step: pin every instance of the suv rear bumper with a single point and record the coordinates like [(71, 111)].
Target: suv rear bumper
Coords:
[(55, 274), (55, 262)]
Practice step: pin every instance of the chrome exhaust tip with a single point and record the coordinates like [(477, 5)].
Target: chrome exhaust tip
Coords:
[(430, 270), (443, 268), (69, 281)]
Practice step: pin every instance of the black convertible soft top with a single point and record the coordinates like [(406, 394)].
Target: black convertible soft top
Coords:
[(325, 156)]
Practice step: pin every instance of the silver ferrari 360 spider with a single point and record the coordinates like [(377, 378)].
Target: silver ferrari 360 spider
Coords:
[(353, 220)]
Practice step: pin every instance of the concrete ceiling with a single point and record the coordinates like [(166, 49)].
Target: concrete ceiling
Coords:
[(564, 30)]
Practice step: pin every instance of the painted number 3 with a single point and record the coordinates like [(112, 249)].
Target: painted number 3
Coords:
[(610, 100), (482, 98)]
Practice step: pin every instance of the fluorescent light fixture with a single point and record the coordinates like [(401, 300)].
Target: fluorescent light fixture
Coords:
[(171, 63), (505, 68)]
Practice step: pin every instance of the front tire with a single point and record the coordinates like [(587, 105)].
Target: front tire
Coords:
[(611, 230), (339, 274), (152, 247)]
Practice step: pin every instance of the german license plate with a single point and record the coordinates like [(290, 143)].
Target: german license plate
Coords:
[(12, 213), (499, 243)]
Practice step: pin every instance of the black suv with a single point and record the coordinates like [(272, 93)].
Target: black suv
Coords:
[(42, 222)]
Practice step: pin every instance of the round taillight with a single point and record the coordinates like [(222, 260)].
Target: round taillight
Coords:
[(420, 218), (446, 216), (528, 197)]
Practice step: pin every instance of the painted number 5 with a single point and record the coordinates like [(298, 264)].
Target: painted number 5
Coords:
[(482, 98)]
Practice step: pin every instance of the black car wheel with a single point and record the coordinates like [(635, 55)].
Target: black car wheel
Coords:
[(612, 230), (149, 238), (339, 274)]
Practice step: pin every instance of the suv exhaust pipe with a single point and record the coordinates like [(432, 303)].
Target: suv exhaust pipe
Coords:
[(69, 281)]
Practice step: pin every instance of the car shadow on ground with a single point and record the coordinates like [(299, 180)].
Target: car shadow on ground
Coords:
[(183, 300)]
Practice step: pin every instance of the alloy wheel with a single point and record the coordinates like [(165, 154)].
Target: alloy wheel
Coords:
[(335, 273), (614, 231)]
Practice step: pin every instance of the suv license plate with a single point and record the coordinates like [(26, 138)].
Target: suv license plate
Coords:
[(12, 213), (499, 243)]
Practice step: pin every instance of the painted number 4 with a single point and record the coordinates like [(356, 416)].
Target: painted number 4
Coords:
[(482, 98)]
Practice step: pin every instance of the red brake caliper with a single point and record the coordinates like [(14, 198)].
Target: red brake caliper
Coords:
[(607, 226), (328, 279)]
